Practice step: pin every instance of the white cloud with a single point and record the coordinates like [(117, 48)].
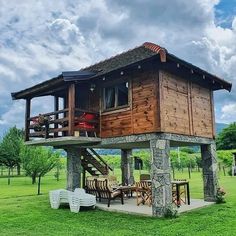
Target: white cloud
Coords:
[(13, 115), (227, 112), (234, 24), (39, 39)]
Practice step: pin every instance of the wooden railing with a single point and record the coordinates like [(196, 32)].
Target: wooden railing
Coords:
[(56, 124)]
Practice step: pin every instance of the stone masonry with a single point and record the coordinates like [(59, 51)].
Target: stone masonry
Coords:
[(74, 168), (161, 178), (209, 165), (127, 167)]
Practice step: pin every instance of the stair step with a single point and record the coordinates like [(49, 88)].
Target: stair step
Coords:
[(92, 164)]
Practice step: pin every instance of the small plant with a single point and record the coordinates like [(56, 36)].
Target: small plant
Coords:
[(43, 120), (220, 195), (171, 213), (37, 128)]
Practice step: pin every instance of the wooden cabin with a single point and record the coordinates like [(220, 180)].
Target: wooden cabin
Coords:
[(145, 97), (143, 90)]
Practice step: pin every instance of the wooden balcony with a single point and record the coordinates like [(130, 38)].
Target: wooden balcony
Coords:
[(63, 123)]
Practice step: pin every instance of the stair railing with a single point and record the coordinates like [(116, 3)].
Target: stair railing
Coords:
[(100, 158)]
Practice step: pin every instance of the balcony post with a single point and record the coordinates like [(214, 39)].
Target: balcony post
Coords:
[(71, 107), (56, 108), (27, 116)]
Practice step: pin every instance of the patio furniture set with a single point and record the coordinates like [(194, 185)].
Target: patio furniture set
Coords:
[(108, 188)]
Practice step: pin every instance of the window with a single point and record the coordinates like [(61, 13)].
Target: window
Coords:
[(116, 96)]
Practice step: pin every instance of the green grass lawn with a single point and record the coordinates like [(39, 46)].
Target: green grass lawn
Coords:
[(24, 213)]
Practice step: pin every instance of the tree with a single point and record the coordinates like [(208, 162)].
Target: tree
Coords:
[(59, 166), (38, 161), (10, 149), (226, 139)]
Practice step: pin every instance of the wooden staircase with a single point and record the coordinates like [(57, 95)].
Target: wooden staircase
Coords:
[(93, 163)]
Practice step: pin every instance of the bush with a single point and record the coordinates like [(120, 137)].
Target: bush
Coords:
[(171, 213), (220, 195)]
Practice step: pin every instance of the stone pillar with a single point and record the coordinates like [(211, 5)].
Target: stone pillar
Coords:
[(161, 177), (74, 168), (127, 167), (209, 167)]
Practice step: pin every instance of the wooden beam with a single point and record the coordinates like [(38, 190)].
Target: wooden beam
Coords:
[(160, 103), (190, 109), (51, 113), (213, 115), (71, 107), (56, 108), (157, 115), (27, 116), (38, 89)]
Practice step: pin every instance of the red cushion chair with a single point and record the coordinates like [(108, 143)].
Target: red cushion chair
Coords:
[(86, 124)]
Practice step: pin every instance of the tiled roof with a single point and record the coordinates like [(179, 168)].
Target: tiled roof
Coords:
[(126, 58), (145, 51)]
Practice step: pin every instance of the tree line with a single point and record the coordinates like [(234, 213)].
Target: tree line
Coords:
[(35, 161)]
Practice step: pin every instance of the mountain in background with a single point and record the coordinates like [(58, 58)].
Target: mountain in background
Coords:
[(220, 126)]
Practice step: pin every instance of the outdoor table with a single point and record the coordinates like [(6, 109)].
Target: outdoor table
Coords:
[(178, 184), (149, 181), (127, 189)]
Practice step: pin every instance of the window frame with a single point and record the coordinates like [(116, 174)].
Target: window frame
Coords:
[(115, 85)]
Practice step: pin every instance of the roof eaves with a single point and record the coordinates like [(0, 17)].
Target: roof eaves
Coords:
[(226, 85), (28, 91)]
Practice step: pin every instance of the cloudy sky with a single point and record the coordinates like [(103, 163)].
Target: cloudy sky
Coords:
[(41, 38)]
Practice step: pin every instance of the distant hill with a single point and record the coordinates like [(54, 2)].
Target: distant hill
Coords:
[(220, 126)]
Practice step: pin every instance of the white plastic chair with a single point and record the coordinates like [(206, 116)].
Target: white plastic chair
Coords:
[(57, 197), (79, 198)]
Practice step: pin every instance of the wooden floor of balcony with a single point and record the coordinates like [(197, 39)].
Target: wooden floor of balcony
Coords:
[(64, 141)]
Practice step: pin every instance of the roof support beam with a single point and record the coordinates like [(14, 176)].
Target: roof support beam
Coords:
[(27, 116)]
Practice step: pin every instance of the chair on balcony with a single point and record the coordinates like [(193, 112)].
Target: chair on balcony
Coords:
[(86, 125)]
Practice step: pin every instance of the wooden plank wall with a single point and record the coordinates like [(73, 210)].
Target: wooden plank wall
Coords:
[(116, 124), (186, 108), (202, 113), (144, 97), (142, 115)]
